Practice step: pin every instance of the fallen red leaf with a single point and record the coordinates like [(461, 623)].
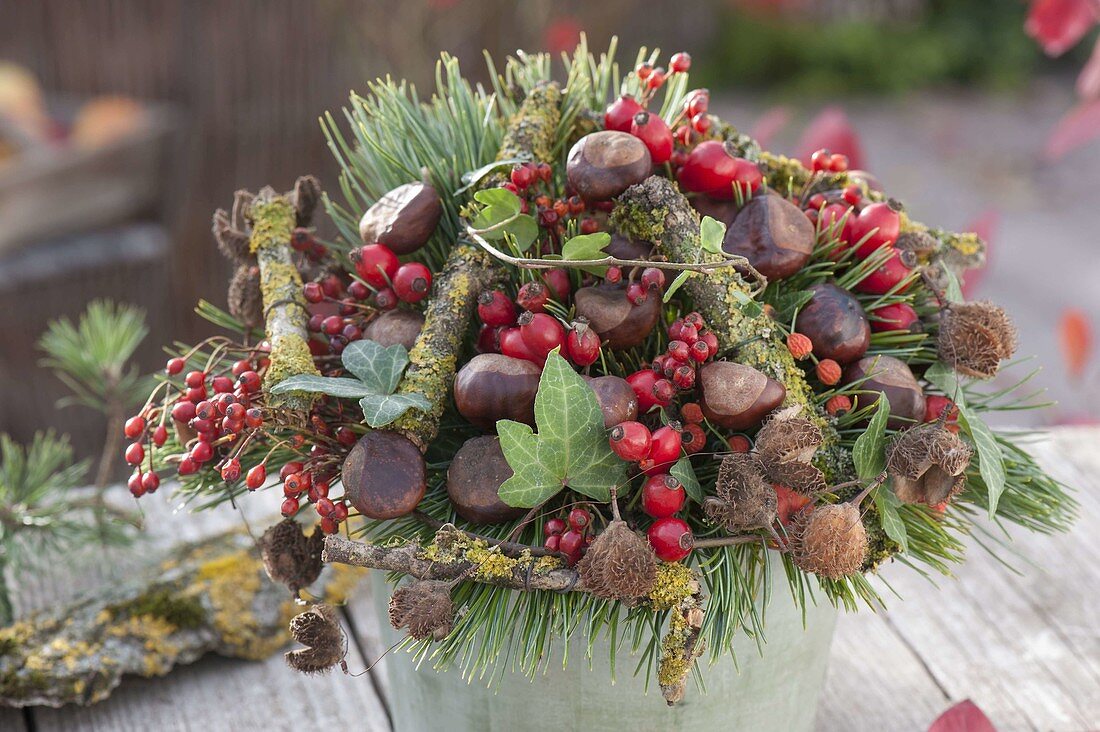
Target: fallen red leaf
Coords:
[(963, 717), (1079, 126), (769, 124), (831, 130), (1088, 81), (1075, 337), (1059, 24)]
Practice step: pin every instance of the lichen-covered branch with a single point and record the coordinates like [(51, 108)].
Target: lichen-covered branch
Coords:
[(680, 646), (273, 217), (656, 211), (212, 596), (533, 130)]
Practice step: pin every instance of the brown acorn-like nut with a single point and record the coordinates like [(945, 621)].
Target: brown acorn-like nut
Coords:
[(617, 399), (830, 541), (384, 475), (619, 565), (424, 607), (289, 556), (603, 164), (394, 327), (892, 377), (719, 210), (492, 386), (927, 464), (403, 219), (318, 629), (773, 234), (623, 247), (476, 473), (834, 320), (619, 323), (736, 396)]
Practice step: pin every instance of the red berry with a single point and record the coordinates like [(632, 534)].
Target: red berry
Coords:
[(571, 544), (662, 496), (545, 172), (643, 70), (701, 123), (289, 507), (332, 325), (897, 316), (650, 389), (828, 371), (174, 366), (150, 482), (553, 527), (137, 490), (313, 292), (553, 542), (358, 290), (838, 163), (800, 346), (386, 299), (256, 476), (541, 332), (652, 130), (888, 276), (533, 297), (222, 384), (183, 412), (290, 469), (249, 381), (160, 435), (631, 441), (325, 507), (376, 264), (653, 278), (558, 282), (413, 282), (495, 309), (693, 438), (231, 470), (620, 113), (876, 226), (698, 101), (582, 344), (819, 160), (700, 351), (135, 453), (853, 195), (329, 525), (579, 519), (512, 344), (134, 427), (340, 512), (835, 223), (187, 466), (665, 449), (636, 293), (239, 367), (613, 275), (679, 350), (194, 379), (488, 339), (656, 78), (201, 452), (691, 413), (710, 168), (935, 405), (670, 538), (680, 62), (838, 405), (684, 377), (523, 175)]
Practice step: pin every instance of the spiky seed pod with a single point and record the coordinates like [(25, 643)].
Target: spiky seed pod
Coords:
[(787, 437), (306, 195), (289, 556), (829, 541), (424, 608), (319, 631), (246, 303), (804, 478), (928, 464), (975, 337), (744, 500), (619, 565)]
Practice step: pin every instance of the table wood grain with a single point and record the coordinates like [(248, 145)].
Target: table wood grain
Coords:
[(1023, 642)]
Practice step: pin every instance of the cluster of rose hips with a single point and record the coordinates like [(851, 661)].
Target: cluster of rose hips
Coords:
[(690, 344), (532, 182), (651, 280), (521, 328), (801, 347), (570, 536), (300, 482), (391, 280)]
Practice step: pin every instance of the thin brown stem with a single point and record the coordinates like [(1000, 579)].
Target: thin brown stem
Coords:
[(508, 547)]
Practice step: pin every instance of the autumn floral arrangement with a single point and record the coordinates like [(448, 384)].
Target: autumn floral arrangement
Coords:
[(584, 360)]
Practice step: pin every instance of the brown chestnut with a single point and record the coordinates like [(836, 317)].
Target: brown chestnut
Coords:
[(384, 475), (476, 473), (736, 396), (603, 164), (619, 323), (403, 219), (893, 378), (835, 323), (724, 211), (773, 234), (396, 326), (617, 399), (492, 386)]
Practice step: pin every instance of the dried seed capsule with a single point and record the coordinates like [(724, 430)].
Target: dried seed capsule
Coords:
[(424, 607), (619, 565), (830, 540), (975, 337), (319, 630), (927, 464), (289, 556)]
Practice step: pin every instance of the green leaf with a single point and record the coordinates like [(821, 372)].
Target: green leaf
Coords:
[(751, 308), (944, 378), (570, 448), (786, 303), (489, 217), (587, 247), (887, 504), (501, 198), (869, 450), (991, 463), (380, 410), (953, 291), (711, 234), (472, 177), (683, 472), (525, 229), (337, 386), (677, 283), (377, 366)]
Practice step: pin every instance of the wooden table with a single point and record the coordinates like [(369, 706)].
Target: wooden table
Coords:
[(1024, 645)]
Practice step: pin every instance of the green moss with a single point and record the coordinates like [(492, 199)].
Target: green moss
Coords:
[(675, 583), (533, 130), (639, 223), (180, 611)]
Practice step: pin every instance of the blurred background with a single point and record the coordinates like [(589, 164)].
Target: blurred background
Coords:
[(125, 123)]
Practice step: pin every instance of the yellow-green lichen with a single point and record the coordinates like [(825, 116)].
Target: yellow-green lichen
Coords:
[(231, 583), (290, 356), (176, 610), (532, 132), (272, 223), (675, 583), (640, 224), (675, 662)]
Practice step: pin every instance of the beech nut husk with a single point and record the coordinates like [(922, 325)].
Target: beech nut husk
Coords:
[(492, 386), (477, 471), (736, 396), (603, 164), (384, 475), (403, 219), (619, 323)]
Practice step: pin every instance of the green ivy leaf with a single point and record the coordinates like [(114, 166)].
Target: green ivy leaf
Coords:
[(944, 378), (887, 504), (711, 234), (489, 217), (473, 177), (336, 386), (869, 450), (587, 247), (685, 473), (380, 410), (570, 448), (378, 367), (677, 283), (751, 308), (525, 230), (501, 198), (991, 463)]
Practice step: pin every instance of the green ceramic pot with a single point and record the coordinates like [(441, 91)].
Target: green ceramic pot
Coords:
[(773, 691)]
